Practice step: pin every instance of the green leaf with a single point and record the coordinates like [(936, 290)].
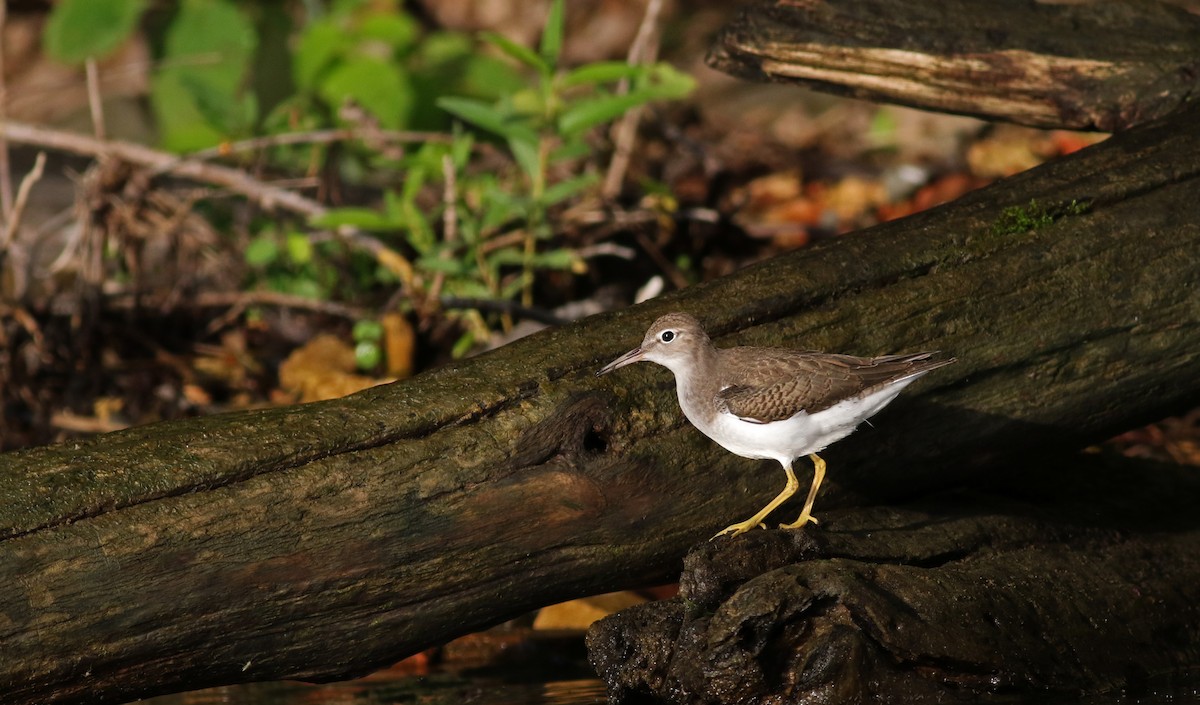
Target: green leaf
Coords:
[(367, 329), (319, 45), (367, 355), (556, 259), (306, 287), (364, 218), (488, 117), (552, 35), (476, 112), (668, 83), (468, 289), (520, 52), (460, 149), (487, 77), (262, 251), (565, 189), (499, 208), (435, 263), (574, 148), (420, 233), (398, 30), (506, 256), (378, 86), (228, 113), (198, 94), (299, 248), (512, 288), (525, 151), (588, 113), (602, 72), (82, 29), (463, 345), (444, 47)]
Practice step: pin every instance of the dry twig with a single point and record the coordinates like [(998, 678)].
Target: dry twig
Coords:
[(266, 195), (6, 196), (95, 102), (643, 50), (10, 227)]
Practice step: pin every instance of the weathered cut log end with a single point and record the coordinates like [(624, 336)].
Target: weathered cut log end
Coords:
[(1040, 64)]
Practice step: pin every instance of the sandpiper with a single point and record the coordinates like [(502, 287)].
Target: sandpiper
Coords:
[(773, 403)]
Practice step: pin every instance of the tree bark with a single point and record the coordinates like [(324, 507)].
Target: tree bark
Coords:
[(1081, 576), (1103, 66), (240, 547)]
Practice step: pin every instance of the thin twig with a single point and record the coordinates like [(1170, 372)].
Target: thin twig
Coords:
[(235, 180), (6, 195), (69, 421), (449, 222), (450, 199), (95, 103), (643, 50), (239, 301), (10, 228), (677, 277)]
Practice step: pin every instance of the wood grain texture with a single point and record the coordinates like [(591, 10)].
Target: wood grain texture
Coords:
[(1104, 65), (326, 540)]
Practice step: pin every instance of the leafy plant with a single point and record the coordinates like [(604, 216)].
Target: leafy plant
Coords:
[(83, 29), (462, 230), (289, 263), (368, 344), (495, 232), (545, 123)]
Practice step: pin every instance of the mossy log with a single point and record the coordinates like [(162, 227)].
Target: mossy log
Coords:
[(1098, 65), (323, 541)]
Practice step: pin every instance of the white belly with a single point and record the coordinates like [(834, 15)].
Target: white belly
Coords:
[(802, 434)]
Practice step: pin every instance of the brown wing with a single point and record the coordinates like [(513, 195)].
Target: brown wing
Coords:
[(786, 382)]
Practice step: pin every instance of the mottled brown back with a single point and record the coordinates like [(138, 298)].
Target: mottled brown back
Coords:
[(776, 384)]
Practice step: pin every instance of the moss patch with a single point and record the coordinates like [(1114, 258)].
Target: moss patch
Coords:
[(1020, 219)]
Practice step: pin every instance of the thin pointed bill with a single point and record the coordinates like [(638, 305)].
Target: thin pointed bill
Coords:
[(628, 358)]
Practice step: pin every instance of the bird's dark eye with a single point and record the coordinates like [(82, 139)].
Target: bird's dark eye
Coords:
[(667, 336)]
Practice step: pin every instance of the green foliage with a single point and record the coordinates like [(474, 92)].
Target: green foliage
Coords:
[(1019, 219), (545, 124), (500, 234), (451, 226), (368, 344), (82, 29), (199, 94), (354, 54), (289, 263)]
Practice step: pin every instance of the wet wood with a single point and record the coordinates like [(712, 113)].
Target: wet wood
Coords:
[(240, 547), (1080, 575), (1096, 65), (324, 541)]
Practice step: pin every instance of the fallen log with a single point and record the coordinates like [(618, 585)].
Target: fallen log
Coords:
[(1097, 65), (240, 547), (1081, 575)]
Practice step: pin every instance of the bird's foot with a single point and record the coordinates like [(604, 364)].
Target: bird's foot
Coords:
[(804, 519), (740, 528)]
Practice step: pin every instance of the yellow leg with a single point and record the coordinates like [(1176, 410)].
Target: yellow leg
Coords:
[(818, 476), (757, 519)]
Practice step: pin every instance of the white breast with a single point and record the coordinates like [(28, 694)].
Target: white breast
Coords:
[(800, 435)]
